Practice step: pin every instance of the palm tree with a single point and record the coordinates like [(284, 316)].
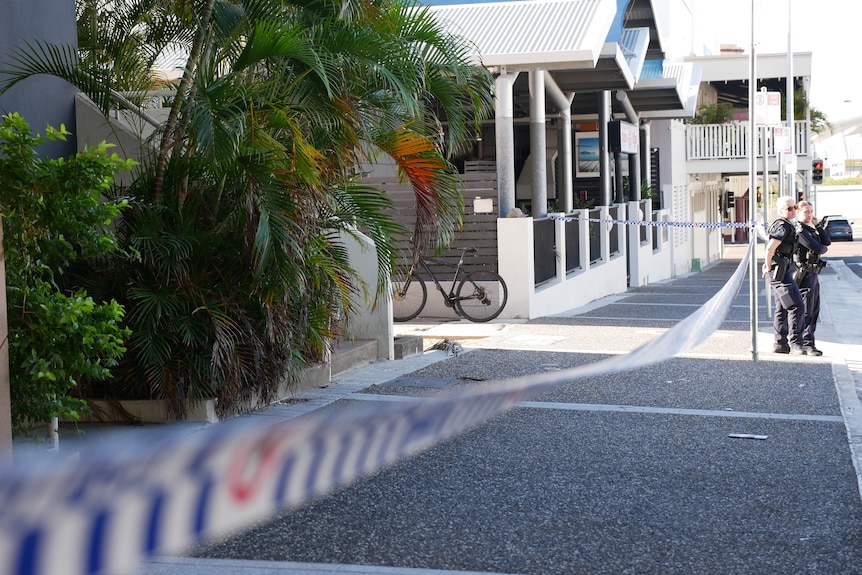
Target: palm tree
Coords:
[(803, 108), (234, 274)]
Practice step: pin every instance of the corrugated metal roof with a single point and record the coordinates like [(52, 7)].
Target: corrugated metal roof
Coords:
[(540, 33), (634, 43)]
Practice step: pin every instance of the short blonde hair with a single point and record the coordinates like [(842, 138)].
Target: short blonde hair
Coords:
[(783, 202)]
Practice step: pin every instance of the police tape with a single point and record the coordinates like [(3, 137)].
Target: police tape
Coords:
[(156, 493), (659, 223)]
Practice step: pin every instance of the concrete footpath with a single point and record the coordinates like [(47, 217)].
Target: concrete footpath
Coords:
[(711, 462)]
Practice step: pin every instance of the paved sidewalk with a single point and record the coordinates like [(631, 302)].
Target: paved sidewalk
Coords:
[(591, 332)]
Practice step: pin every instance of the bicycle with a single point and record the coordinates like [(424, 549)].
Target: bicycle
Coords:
[(480, 296)]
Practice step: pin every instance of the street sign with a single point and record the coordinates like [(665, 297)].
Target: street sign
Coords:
[(767, 108), (623, 137), (783, 140)]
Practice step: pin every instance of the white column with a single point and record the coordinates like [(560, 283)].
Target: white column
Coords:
[(646, 154), (565, 186), (538, 138), (505, 142), (604, 158), (563, 103)]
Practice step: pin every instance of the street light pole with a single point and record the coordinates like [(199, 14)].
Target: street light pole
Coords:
[(791, 115), (753, 272)]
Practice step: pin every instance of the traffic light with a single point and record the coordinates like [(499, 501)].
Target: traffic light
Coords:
[(759, 196), (817, 172), (731, 201), (800, 196)]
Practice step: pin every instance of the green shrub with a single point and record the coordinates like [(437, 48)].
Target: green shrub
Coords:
[(54, 219)]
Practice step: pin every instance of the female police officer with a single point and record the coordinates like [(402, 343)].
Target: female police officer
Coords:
[(813, 239)]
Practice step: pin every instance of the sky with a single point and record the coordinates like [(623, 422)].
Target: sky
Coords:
[(830, 29)]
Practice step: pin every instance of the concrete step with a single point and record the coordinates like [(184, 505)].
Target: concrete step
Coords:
[(349, 354), (407, 345)]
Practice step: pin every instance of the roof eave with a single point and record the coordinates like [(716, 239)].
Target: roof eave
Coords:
[(688, 101), (580, 59)]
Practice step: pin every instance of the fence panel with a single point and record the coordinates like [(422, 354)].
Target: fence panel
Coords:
[(643, 230), (479, 230), (544, 250), (595, 237), (572, 236), (614, 237)]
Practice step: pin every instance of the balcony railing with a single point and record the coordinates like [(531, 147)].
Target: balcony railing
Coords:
[(730, 141)]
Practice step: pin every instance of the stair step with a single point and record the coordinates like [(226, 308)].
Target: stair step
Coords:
[(349, 354), (407, 345)]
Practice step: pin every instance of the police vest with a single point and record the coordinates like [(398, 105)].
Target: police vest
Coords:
[(784, 230)]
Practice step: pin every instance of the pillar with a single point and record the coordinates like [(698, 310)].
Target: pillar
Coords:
[(505, 142)]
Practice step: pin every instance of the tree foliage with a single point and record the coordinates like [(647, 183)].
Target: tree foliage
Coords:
[(240, 275), (802, 109), (53, 220), (715, 113)]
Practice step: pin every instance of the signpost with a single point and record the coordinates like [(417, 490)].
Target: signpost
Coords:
[(767, 108)]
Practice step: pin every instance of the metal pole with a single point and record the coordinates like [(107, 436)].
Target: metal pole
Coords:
[(764, 138), (780, 157), (791, 97), (753, 271)]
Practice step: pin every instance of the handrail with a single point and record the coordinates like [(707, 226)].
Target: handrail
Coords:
[(137, 110)]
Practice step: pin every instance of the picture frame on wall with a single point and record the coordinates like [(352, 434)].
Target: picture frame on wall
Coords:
[(587, 153)]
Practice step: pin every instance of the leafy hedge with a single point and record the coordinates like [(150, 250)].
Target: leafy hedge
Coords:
[(54, 218)]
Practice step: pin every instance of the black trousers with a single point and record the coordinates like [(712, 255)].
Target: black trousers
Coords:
[(789, 317), (810, 289)]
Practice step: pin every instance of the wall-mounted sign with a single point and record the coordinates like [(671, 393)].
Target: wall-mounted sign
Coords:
[(623, 137), (483, 205)]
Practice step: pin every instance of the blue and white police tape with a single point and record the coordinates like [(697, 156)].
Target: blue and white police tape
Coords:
[(154, 493), (659, 223)]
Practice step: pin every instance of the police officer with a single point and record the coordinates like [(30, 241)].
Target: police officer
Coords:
[(778, 269), (813, 242)]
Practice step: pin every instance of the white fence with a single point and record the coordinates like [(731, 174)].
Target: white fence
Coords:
[(730, 141)]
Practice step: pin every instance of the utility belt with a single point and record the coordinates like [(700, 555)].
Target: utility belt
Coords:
[(780, 265), (810, 262), (813, 268), (803, 270)]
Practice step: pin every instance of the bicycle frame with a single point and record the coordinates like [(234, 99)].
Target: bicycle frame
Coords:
[(449, 298), (478, 295)]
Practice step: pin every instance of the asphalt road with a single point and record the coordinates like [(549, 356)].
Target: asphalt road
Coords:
[(635, 472)]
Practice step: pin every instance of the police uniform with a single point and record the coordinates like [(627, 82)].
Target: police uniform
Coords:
[(789, 317), (813, 242)]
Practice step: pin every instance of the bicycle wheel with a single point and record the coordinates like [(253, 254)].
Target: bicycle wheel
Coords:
[(408, 296), (481, 296)]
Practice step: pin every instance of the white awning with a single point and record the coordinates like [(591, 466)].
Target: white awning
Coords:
[(541, 34)]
